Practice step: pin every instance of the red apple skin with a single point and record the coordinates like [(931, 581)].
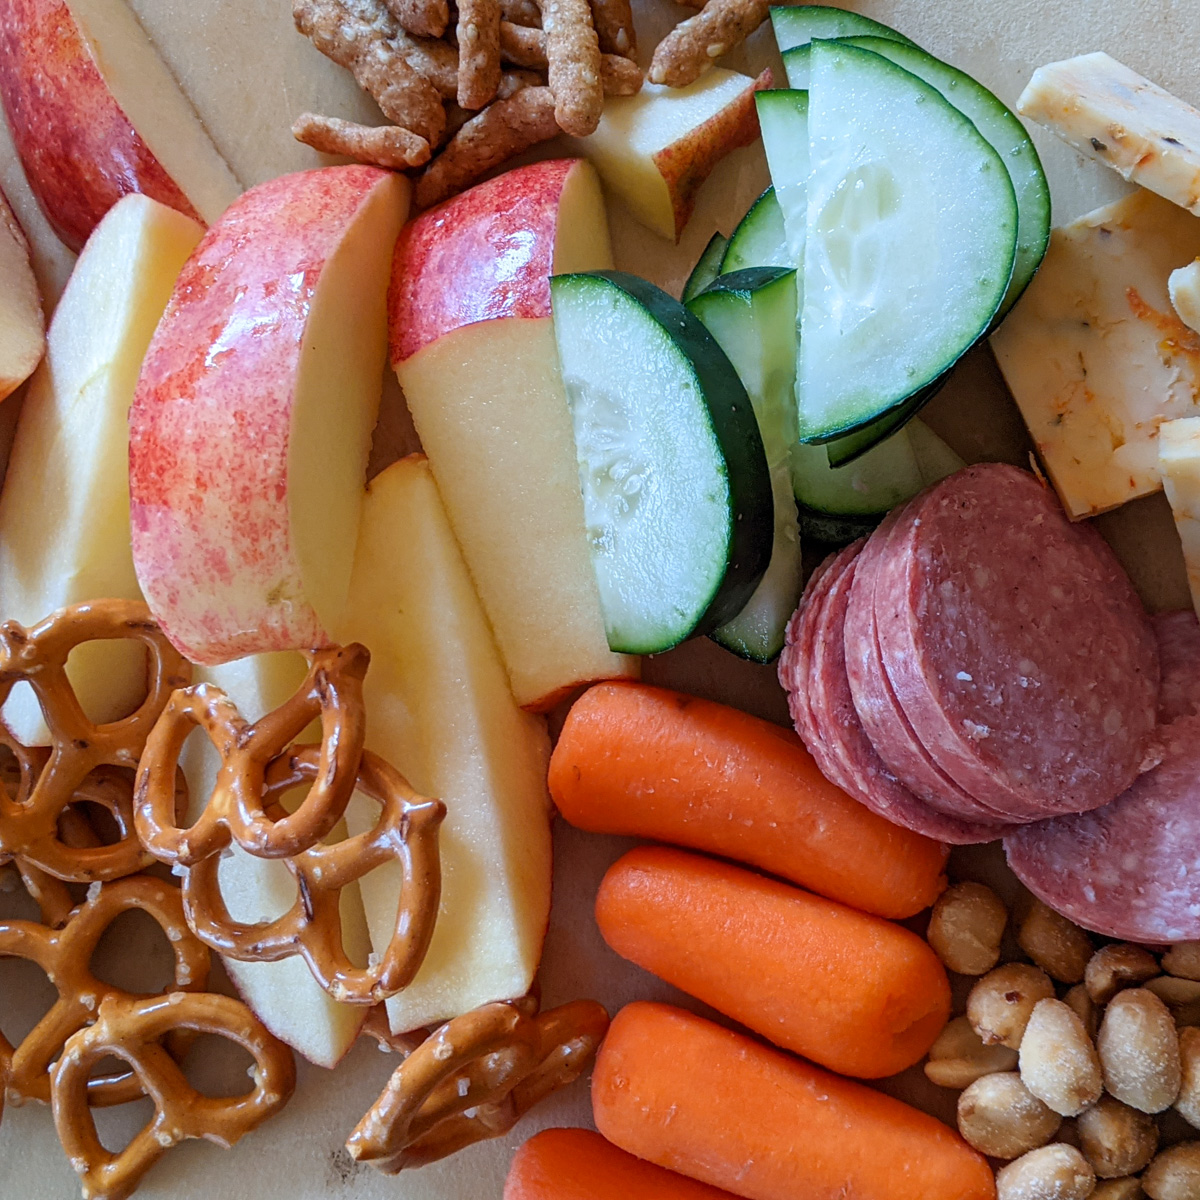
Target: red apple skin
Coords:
[(79, 151), (485, 253), (209, 512)]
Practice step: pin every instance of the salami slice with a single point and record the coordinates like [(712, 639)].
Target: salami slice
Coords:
[(1178, 635), (1130, 870), (1017, 647), (882, 718), (844, 740)]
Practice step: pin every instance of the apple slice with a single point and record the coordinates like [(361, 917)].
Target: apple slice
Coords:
[(473, 346), (22, 325), (440, 708), (95, 114), (284, 994), (64, 510), (252, 423), (655, 149)]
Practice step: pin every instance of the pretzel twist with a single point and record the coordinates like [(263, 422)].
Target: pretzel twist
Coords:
[(65, 956), (86, 762), (132, 1029), (406, 833), (332, 690), (474, 1078)]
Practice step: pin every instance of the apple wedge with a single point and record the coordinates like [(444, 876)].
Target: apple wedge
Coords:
[(95, 114), (473, 347), (284, 994), (440, 708), (22, 325), (64, 510), (655, 149), (252, 422)]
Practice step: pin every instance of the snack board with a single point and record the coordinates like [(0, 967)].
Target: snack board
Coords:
[(248, 74)]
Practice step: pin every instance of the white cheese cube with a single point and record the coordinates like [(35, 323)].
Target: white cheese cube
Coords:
[(1179, 454), (1095, 355), (1184, 286), (1114, 115)]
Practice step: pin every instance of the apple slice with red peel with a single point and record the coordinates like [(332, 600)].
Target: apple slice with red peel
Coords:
[(655, 149), (251, 426), (95, 114), (473, 346), (22, 325)]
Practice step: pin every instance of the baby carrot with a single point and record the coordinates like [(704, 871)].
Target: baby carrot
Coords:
[(688, 1095), (640, 760), (855, 993), (577, 1164)]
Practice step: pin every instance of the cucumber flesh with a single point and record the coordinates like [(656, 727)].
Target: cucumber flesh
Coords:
[(677, 496), (847, 448), (935, 458), (910, 243), (783, 121), (752, 315), (707, 268), (799, 24), (760, 239)]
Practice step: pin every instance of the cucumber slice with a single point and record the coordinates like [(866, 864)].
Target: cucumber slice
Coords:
[(760, 239), (752, 315), (797, 25), (783, 121), (911, 238), (1007, 137), (935, 458), (846, 449), (707, 268), (676, 492)]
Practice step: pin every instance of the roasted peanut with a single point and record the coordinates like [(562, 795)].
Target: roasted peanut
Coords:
[(1183, 960), (1139, 1051), (1084, 1007), (1115, 1139), (1054, 1172), (1174, 1174), (1000, 1003), (966, 927), (1056, 944), (1188, 1102), (1118, 966), (1181, 996), (1059, 1064), (958, 1057), (999, 1117), (1118, 1189)]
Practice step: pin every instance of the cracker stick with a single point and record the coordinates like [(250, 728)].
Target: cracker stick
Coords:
[(695, 44), (361, 35), (425, 18), (573, 59), (435, 59), (522, 12), (493, 136), (527, 48), (389, 146), (614, 27), (511, 82), (478, 52)]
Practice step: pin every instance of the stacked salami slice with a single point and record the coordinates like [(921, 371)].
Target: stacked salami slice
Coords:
[(977, 664)]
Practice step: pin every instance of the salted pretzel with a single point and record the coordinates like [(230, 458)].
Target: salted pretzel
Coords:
[(332, 690), (65, 956), (86, 762), (474, 1078), (406, 833), (133, 1030)]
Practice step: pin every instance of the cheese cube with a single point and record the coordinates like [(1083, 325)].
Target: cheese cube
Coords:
[(1179, 453), (1095, 355), (1113, 115), (1184, 286)]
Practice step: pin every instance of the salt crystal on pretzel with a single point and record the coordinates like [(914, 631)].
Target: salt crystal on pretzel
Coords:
[(573, 61), (425, 18), (478, 52), (694, 45), (388, 146), (614, 27)]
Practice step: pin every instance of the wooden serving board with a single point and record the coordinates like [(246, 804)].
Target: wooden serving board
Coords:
[(248, 74)]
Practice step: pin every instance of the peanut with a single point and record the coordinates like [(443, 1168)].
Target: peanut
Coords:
[(1139, 1051), (1000, 1004), (1055, 1172), (999, 1117), (958, 1057), (966, 928), (1118, 966), (1056, 944), (1059, 1064), (1116, 1140), (1174, 1174), (1181, 996), (1183, 960), (1118, 1189), (1188, 1102), (1084, 1007)]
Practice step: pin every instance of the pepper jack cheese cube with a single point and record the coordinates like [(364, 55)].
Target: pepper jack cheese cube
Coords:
[(1179, 454), (1095, 355), (1184, 286), (1115, 116)]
